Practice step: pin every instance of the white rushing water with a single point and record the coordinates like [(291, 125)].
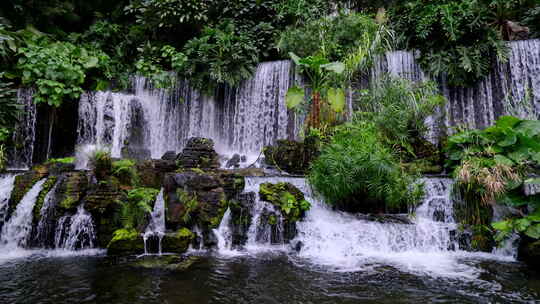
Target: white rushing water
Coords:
[(239, 120), (156, 227), (21, 152), (45, 224), (345, 242), (16, 231), (224, 235), (7, 182), (80, 234)]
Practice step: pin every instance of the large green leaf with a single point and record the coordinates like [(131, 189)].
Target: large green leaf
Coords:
[(519, 156), (510, 138), (294, 97), (336, 67), (533, 231), (505, 122), (336, 98), (502, 226), (91, 62), (529, 128), (503, 160), (522, 224)]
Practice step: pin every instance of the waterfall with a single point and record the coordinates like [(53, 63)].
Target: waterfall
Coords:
[(512, 88), (7, 182), (75, 232), (156, 227), (21, 152), (223, 234), (16, 231), (45, 227), (239, 120)]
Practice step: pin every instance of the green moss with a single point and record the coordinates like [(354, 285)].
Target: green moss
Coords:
[(126, 172), (185, 233), (272, 220), (68, 203), (197, 170), (47, 186), (124, 234), (124, 242), (289, 199), (65, 160)]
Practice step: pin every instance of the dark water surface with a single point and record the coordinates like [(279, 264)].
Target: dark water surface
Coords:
[(252, 279)]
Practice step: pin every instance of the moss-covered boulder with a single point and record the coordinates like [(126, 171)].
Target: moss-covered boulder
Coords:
[(45, 189), (241, 216), (72, 189), (125, 242), (22, 185), (177, 242), (152, 172), (287, 198), (170, 262), (291, 156)]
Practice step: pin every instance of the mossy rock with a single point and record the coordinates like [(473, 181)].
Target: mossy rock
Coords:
[(177, 242), (292, 156), (171, 262), (287, 198), (72, 188), (45, 189), (125, 242), (23, 183)]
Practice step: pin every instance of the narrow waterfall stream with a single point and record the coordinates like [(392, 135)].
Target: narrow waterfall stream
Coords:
[(16, 231), (156, 227), (6, 186)]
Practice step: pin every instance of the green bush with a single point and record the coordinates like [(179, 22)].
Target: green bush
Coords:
[(357, 169), (398, 108), (456, 38), (101, 163), (133, 212), (126, 172)]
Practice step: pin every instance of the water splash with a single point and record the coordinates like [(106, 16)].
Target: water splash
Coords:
[(156, 227), (16, 231), (76, 232), (224, 235)]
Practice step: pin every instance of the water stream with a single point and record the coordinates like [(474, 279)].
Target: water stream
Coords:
[(156, 227)]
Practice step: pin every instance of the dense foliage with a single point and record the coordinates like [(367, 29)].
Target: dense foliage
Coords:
[(135, 209), (492, 165), (356, 168), (458, 38), (399, 108)]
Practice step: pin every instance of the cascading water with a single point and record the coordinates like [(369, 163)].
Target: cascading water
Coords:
[(223, 234), (21, 152), (156, 227), (239, 120), (45, 227), (78, 234), (16, 231), (511, 88), (7, 182)]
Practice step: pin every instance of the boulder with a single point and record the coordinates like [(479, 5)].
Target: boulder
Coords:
[(234, 162), (125, 242), (151, 172), (177, 242), (291, 156), (169, 155), (199, 153), (169, 262), (241, 216)]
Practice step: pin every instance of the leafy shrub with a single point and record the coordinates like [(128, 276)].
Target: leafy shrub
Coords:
[(222, 54), (126, 172), (332, 37), (191, 205), (491, 165), (101, 163), (532, 20), (455, 37), (399, 108), (65, 160), (58, 69), (357, 169), (134, 211), (285, 196)]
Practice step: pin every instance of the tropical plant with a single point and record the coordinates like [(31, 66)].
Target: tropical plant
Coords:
[(532, 20), (100, 162), (399, 108), (134, 210), (222, 54), (491, 165), (190, 203), (126, 172), (356, 169)]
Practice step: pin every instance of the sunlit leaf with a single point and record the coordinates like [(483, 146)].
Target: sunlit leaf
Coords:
[(294, 97), (336, 98)]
